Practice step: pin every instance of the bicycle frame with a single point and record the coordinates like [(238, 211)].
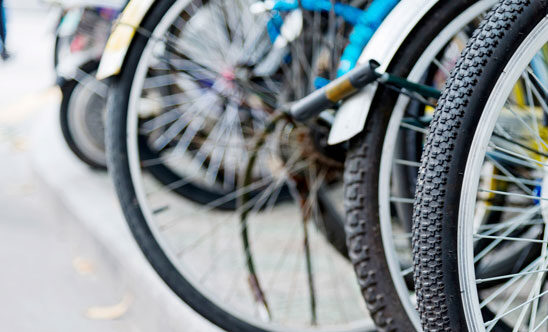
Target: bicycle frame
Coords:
[(366, 23), (350, 83), (390, 33)]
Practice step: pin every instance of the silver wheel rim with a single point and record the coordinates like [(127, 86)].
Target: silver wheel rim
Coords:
[(466, 232), (137, 179), (86, 134)]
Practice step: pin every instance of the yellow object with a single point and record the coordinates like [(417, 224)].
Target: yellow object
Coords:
[(519, 94), (340, 91), (121, 37)]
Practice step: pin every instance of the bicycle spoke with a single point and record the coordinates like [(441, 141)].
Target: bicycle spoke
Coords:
[(527, 271), (498, 317), (414, 128), (402, 200), (512, 223)]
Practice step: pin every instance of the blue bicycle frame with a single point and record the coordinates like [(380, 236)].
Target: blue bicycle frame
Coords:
[(365, 23)]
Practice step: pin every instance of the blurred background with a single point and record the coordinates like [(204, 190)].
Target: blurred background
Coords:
[(68, 261)]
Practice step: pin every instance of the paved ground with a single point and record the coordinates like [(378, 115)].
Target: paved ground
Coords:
[(54, 276), (68, 261)]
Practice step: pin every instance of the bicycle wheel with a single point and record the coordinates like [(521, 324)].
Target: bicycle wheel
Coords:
[(492, 116), (382, 164), (81, 116), (261, 256)]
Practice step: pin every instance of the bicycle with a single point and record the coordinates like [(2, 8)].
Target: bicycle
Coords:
[(81, 33), (487, 142), (287, 147)]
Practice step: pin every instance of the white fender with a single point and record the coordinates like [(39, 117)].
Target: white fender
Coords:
[(114, 4), (121, 37), (350, 118)]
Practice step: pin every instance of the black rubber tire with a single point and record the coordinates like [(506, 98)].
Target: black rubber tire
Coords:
[(67, 89), (118, 164), (362, 176), (57, 42), (444, 159), (119, 168), (56, 46)]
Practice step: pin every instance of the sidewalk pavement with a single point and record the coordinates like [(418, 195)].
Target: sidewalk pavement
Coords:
[(64, 196), (90, 197)]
